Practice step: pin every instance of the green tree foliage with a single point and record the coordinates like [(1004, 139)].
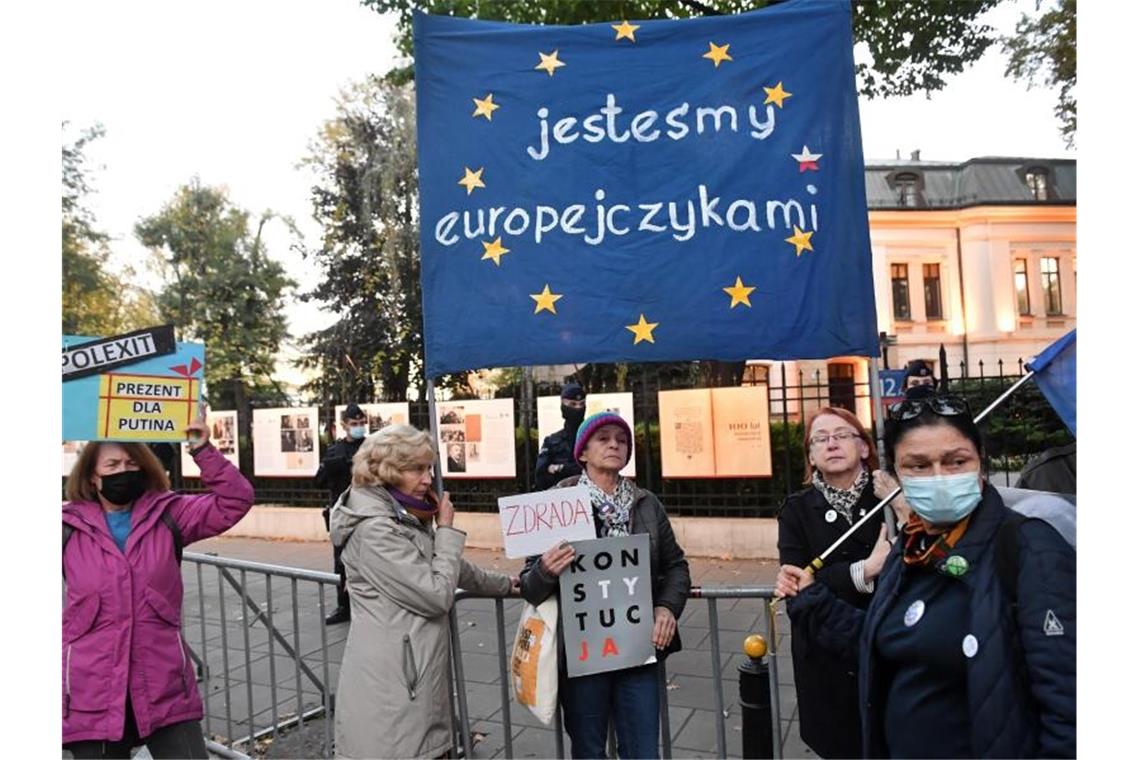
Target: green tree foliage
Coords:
[(95, 300), (914, 45), (365, 197), (222, 289), (1047, 46)]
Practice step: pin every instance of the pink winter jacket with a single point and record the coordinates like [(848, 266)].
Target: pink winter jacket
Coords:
[(122, 621)]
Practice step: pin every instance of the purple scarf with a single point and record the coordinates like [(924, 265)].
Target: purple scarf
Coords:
[(421, 509)]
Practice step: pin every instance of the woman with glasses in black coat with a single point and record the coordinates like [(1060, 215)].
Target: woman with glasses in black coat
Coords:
[(839, 458)]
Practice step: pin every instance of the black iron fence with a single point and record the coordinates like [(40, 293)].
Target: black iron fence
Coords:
[(1021, 427)]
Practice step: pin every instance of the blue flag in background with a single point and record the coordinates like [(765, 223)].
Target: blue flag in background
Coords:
[(642, 190), (1055, 372)]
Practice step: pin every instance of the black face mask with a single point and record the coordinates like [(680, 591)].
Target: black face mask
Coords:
[(123, 487), (573, 417)]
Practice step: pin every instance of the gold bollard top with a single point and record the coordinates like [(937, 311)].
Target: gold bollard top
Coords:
[(755, 646)]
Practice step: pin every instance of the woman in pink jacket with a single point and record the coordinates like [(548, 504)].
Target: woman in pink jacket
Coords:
[(127, 677)]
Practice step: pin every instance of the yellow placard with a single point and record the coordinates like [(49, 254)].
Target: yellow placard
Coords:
[(146, 407)]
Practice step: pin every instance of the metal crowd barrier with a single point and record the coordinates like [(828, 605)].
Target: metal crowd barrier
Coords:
[(711, 594), (263, 620)]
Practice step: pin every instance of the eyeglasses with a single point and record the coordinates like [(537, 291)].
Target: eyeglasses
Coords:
[(945, 406), (840, 436)]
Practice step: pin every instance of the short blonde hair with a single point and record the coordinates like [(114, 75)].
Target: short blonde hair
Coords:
[(387, 452)]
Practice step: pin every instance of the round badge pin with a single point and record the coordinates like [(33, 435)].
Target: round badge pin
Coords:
[(914, 613), (969, 645), (956, 566), (831, 516)]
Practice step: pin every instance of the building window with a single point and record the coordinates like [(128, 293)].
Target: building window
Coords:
[(932, 291), (841, 386), (1021, 284), (755, 374), (1051, 285), (906, 185), (900, 291), (1038, 181)]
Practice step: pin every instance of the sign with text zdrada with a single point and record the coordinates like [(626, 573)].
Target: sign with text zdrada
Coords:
[(607, 606), (140, 386), (534, 522)]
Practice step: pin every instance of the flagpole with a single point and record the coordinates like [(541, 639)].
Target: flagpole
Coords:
[(433, 425)]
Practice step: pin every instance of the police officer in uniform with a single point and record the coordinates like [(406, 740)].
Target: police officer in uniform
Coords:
[(335, 474), (556, 458)]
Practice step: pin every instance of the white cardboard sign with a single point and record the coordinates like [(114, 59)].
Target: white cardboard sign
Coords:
[(534, 522)]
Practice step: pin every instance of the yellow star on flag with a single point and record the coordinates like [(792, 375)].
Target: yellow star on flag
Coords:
[(739, 293), (642, 330), (484, 107), (494, 250), (472, 179), (549, 62), (776, 95), (544, 301), (717, 53), (625, 30), (800, 240)]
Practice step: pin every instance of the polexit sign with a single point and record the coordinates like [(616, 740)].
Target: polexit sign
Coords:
[(96, 356), (140, 386), (534, 522)]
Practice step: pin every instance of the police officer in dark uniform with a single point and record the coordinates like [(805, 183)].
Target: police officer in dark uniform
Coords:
[(335, 474), (919, 381), (556, 458)]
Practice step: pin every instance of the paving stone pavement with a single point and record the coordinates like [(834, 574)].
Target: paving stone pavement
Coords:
[(251, 673)]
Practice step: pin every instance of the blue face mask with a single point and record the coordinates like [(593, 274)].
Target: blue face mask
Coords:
[(943, 499), (357, 432)]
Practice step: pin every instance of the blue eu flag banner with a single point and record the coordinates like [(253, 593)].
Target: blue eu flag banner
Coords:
[(1055, 372), (642, 190)]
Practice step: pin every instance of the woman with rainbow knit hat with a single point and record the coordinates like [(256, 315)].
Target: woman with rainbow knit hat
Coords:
[(628, 697)]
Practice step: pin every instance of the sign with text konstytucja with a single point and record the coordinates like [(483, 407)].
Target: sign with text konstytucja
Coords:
[(140, 386), (642, 190), (606, 596)]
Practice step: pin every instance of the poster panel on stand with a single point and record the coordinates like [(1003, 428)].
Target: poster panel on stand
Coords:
[(223, 434), (550, 417), (380, 415), (71, 451), (285, 442), (715, 432), (477, 438)]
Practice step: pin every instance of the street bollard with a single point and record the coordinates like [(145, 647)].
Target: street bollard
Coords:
[(755, 701)]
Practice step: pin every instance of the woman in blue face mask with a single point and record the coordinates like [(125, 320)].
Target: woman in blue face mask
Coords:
[(951, 663)]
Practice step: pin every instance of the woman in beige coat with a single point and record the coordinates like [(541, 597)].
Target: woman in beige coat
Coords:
[(392, 699)]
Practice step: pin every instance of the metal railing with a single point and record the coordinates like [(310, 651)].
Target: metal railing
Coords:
[(269, 599), (260, 623), (711, 594)]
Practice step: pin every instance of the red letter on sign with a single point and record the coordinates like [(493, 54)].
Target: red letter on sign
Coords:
[(609, 648), (585, 654)]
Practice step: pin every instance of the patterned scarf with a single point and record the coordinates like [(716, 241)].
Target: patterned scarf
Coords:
[(925, 550), (613, 510), (842, 500)]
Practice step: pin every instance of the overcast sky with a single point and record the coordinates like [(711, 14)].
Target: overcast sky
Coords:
[(233, 91)]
